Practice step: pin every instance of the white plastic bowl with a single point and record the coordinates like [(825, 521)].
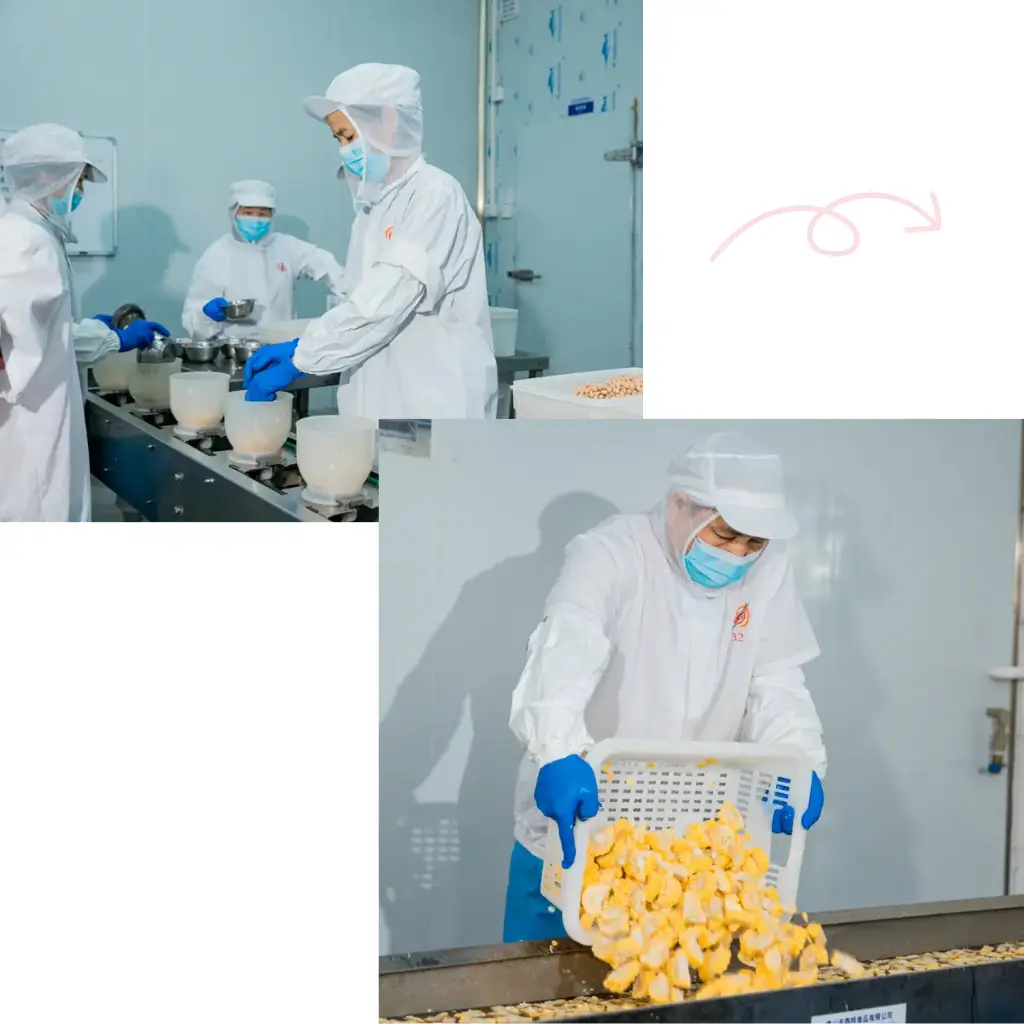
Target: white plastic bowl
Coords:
[(114, 372), (257, 428), (197, 399), (335, 455), (150, 384)]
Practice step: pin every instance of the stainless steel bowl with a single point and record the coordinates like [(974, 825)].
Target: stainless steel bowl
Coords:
[(200, 351), (241, 349), (159, 350), (126, 314), (239, 310)]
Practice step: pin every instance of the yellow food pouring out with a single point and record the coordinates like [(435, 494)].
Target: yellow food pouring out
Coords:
[(668, 910)]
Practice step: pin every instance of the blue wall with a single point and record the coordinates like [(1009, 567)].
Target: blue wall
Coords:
[(550, 55), (199, 93)]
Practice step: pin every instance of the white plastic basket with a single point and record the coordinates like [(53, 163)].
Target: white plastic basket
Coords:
[(672, 785), (552, 398)]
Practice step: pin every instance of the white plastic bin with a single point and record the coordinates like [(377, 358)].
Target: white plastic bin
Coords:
[(552, 398), (504, 328), (671, 785)]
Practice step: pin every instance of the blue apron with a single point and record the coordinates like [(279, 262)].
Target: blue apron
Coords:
[(528, 915)]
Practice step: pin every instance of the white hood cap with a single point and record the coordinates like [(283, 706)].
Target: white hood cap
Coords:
[(730, 474), (368, 85), (253, 193), (44, 158)]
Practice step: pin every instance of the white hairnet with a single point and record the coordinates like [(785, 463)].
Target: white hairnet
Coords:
[(729, 473), (45, 160), (727, 476), (383, 102), (253, 193)]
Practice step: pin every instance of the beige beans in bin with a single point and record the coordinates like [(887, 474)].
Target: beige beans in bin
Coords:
[(257, 428), (150, 384), (114, 372), (197, 399), (335, 455), (615, 387)]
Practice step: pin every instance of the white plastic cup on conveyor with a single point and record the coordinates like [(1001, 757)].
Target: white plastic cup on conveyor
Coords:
[(114, 372), (335, 456), (257, 429), (150, 384), (198, 398)]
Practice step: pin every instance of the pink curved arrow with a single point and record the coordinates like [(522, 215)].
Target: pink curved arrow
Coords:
[(933, 221)]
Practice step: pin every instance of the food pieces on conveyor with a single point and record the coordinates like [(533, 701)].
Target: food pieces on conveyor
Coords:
[(614, 387), (561, 1009), (670, 912)]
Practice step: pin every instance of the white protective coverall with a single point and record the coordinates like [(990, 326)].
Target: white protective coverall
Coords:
[(415, 330), (630, 646), (266, 271), (44, 457)]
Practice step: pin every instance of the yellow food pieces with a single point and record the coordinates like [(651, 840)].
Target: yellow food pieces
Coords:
[(668, 909)]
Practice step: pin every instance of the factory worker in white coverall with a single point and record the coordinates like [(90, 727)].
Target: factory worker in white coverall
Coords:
[(683, 624), (253, 262), (44, 347), (414, 330)]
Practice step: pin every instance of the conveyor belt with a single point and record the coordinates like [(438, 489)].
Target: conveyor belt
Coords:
[(167, 480), (427, 984)]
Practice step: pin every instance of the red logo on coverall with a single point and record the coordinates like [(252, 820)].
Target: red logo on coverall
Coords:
[(740, 621), (282, 268), (389, 232)]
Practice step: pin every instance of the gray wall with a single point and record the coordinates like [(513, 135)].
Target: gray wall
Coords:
[(199, 94), (905, 563)]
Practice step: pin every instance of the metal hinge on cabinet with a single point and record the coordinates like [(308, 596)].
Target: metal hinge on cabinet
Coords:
[(633, 155)]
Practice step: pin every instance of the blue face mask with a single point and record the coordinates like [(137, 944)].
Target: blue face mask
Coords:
[(354, 155), (252, 229), (60, 206), (713, 568)]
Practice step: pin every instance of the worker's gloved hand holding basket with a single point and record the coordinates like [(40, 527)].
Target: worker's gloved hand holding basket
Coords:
[(669, 786)]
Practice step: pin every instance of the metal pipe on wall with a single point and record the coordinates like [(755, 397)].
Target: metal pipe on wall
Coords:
[(1012, 821), (635, 255), (481, 116)]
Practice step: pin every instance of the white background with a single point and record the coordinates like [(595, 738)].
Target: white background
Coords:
[(752, 106), (186, 795)]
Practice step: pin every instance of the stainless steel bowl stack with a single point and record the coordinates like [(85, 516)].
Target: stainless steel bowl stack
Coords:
[(240, 309), (200, 351), (239, 349)]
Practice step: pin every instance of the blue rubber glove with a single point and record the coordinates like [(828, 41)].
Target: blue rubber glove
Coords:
[(139, 334), (269, 370), (214, 309), (782, 819), (566, 790)]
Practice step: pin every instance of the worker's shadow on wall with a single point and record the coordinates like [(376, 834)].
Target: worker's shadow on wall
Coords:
[(444, 868), (147, 242), (854, 856)]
